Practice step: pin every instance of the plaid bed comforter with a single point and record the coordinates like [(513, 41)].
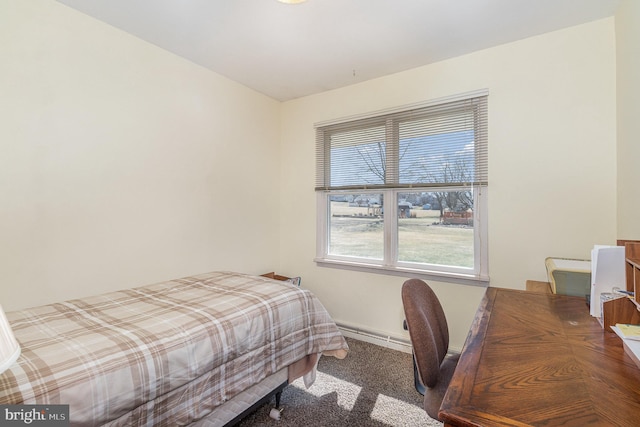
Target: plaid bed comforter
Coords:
[(165, 354)]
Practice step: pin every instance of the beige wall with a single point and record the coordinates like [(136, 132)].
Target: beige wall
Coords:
[(628, 103), (552, 166), (117, 159)]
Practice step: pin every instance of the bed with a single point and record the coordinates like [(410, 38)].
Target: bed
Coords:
[(199, 350)]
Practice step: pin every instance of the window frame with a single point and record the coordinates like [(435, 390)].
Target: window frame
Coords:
[(478, 275)]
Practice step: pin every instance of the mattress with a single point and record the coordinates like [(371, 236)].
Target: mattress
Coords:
[(165, 354)]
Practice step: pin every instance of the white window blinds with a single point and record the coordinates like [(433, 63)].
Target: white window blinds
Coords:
[(433, 146)]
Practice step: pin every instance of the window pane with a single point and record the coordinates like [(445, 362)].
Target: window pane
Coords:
[(432, 154), (356, 226), (358, 157), (436, 228)]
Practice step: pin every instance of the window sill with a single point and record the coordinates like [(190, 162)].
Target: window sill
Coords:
[(460, 279)]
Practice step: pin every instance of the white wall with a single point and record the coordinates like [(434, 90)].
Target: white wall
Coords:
[(552, 167), (628, 97), (117, 159)]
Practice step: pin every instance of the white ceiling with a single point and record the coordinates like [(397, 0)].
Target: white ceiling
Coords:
[(289, 51)]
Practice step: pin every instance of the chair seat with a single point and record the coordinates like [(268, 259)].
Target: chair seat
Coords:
[(433, 396)]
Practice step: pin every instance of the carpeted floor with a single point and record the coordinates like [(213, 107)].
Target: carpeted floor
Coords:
[(372, 386)]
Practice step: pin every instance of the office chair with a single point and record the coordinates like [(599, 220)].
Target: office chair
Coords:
[(429, 333)]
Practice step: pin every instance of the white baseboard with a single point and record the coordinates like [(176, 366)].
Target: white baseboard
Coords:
[(376, 338)]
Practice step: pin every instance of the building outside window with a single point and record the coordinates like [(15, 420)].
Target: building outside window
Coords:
[(405, 191)]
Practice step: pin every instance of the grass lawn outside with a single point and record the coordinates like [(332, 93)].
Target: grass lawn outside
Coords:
[(356, 231)]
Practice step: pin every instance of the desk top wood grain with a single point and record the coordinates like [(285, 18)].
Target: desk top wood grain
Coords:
[(541, 359)]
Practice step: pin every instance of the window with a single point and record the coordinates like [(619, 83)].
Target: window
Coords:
[(406, 190)]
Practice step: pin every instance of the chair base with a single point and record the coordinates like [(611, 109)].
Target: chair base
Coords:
[(416, 378)]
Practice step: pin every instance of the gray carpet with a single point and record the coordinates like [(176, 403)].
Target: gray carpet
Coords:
[(372, 386)]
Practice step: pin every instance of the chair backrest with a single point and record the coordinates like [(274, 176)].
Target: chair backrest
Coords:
[(428, 329)]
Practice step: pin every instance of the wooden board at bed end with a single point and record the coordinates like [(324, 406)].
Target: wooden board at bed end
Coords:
[(272, 275)]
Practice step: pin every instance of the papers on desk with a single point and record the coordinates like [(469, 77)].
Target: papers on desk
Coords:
[(607, 272), (626, 331), (631, 345)]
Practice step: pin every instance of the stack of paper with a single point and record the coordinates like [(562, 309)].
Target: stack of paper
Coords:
[(630, 335), (631, 332), (607, 272)]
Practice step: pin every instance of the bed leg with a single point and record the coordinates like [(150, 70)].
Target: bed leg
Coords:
[(278, 396), (276, 412)]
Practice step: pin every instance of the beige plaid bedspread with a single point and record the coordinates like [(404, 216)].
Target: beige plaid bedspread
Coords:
[(165, 354)]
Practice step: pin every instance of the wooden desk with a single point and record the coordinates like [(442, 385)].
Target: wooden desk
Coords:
[(540, 359)]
